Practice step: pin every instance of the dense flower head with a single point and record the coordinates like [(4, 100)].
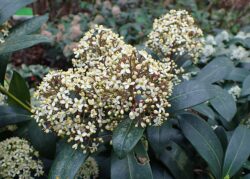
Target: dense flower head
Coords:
[(19, 160), (99, 43), (175, 33), (71, 105), (88, 170), (135, 83), (4, 31), (112, 80)]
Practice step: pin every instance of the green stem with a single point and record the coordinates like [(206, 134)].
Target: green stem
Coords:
[(4, 91)]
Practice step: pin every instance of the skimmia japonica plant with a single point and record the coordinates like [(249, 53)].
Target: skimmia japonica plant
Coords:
[(156, 111)]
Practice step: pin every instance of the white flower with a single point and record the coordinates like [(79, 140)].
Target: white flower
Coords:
[(235, 91), (221, 37), (19, 160), (238, 52), (208, 50)]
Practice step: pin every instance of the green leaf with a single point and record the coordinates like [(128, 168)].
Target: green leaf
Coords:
[(176, 160), (134, 166), (224, 104), (19, 89), (159, 136), (222, 136), (237, 74), (8, 8), (28, 26), (216, 70), (4, 59), (43, 142), (204, 140), (160, 172), (190, 93), (67, 163), (12, 115), (163, 142), (21, 42), (246, 86), (237, 151), (205, 110), (125, 137)]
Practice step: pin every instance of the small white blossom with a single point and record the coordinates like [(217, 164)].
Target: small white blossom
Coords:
[(175, 33), (19, 160)]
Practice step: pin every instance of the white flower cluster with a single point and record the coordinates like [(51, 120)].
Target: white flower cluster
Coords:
[(235, 91), (111, 80), (2, 99), (19, 160), (176, 34), (4, 31), (88, 170), (220, 45)]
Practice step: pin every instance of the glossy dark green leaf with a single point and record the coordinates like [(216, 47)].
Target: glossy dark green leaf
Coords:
[(160, 172), (67, 163), (237, 151), (134, 166), (168, 152), (246, 86), (246, 176), (21, 42), (43, 142), (19, 89), (205, 110), (216, 70), (176, 160), (204, 140), (237, 74), (9, 7), (4, 59), (158, 137), (28, 26), (222, 136), (224, 104), (125, 137), (12, 115), (190, 93)]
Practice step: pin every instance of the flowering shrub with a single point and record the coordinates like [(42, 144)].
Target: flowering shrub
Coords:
[(135, 112)]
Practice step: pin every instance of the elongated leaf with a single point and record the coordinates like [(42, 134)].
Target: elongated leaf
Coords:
[(67, 163), (9, 7), (224, 104), (21, 42), (12, 115), (28, 26), (237, 151), (238, 74), (204, 140), (246, 86), (160, 172), (19, 89), (134, 166), (163, 142), (125, 137), (4, 59), (177, 161), (222, 136), (190, 93), (43, 142), (216, 70), (205, 110), (160, 136)]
